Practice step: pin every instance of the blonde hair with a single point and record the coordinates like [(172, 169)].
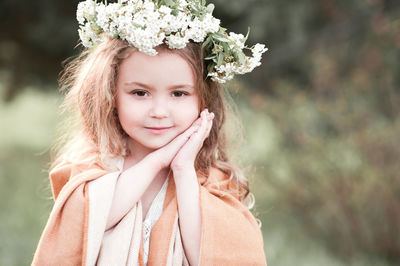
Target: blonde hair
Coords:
[(96, 135)]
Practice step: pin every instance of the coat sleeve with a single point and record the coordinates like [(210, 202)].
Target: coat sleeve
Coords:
[(230, 233), (63, 239)]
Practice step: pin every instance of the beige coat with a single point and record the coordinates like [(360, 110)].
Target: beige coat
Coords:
[(230, 233)]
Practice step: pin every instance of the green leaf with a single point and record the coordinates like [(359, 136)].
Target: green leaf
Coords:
[(210, 57), (241, 58), (221, 38), (247, 35), (96, 28), (206, 42), (169, 2), (217, 48), (138, 26), (221, 30), (210, 8), (225, 46), (220, 59)]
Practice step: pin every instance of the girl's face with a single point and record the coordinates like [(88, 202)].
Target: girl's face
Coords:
[(157, 98)]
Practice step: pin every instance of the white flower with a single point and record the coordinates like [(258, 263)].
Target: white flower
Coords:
[(164, 10), (108, 17), (144, 26), (176, 41), (173, 23), (86, 41), (182, 3), (148, 5), (215, 77), (139, 19), (238, 39), (255, 60), (197, 31), (211, 24), (85, 9), (259, 48), (87, 36), (102, 19)]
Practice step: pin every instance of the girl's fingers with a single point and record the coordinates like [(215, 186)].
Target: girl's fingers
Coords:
[(210, 123), (194, 134), (198, 130), (187, 133), (203, 126), (204, 129), (183, 137)]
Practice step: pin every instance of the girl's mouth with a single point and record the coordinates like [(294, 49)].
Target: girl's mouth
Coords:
[(158, 130)]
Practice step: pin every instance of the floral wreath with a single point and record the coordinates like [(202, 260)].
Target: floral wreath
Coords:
[(146, 24)]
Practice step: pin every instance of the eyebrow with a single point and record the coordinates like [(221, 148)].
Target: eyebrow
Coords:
[(150, 87)]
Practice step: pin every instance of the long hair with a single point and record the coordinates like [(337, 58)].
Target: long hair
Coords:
[(94, 134)]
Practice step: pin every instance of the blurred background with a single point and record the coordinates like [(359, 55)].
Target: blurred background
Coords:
[(320, 119)]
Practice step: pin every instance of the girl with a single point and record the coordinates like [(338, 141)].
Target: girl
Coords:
[(145, 178)]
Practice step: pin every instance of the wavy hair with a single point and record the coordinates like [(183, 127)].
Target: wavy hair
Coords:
[(93, 133)]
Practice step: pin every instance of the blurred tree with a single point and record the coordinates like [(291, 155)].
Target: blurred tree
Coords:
[(37, 36)]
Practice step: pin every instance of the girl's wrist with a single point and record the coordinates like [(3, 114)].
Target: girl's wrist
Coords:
[(183, 169), (184, 176), (153, 161)]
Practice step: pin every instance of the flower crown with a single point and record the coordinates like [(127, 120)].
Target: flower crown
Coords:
[(146, 24)]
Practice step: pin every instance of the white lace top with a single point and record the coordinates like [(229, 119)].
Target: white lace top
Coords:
[(153, 214)]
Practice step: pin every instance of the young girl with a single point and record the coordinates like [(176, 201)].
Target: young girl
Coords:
[(145, 178)]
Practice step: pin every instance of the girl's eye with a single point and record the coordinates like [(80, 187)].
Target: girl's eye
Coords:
[(139, 93), (179, 93)]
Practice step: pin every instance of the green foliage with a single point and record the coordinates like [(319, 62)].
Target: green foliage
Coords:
[(330, 155), (28, 125)]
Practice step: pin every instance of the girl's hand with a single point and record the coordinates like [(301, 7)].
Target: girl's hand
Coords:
[(163, 157), (186, 156)]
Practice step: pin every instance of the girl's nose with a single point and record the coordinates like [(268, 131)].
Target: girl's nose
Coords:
[(159, 108)]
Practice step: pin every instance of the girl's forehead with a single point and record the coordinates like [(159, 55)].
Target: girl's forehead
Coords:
[(165, 67)]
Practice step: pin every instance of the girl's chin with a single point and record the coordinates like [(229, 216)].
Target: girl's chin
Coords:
[(154, 145), (150, 142)]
